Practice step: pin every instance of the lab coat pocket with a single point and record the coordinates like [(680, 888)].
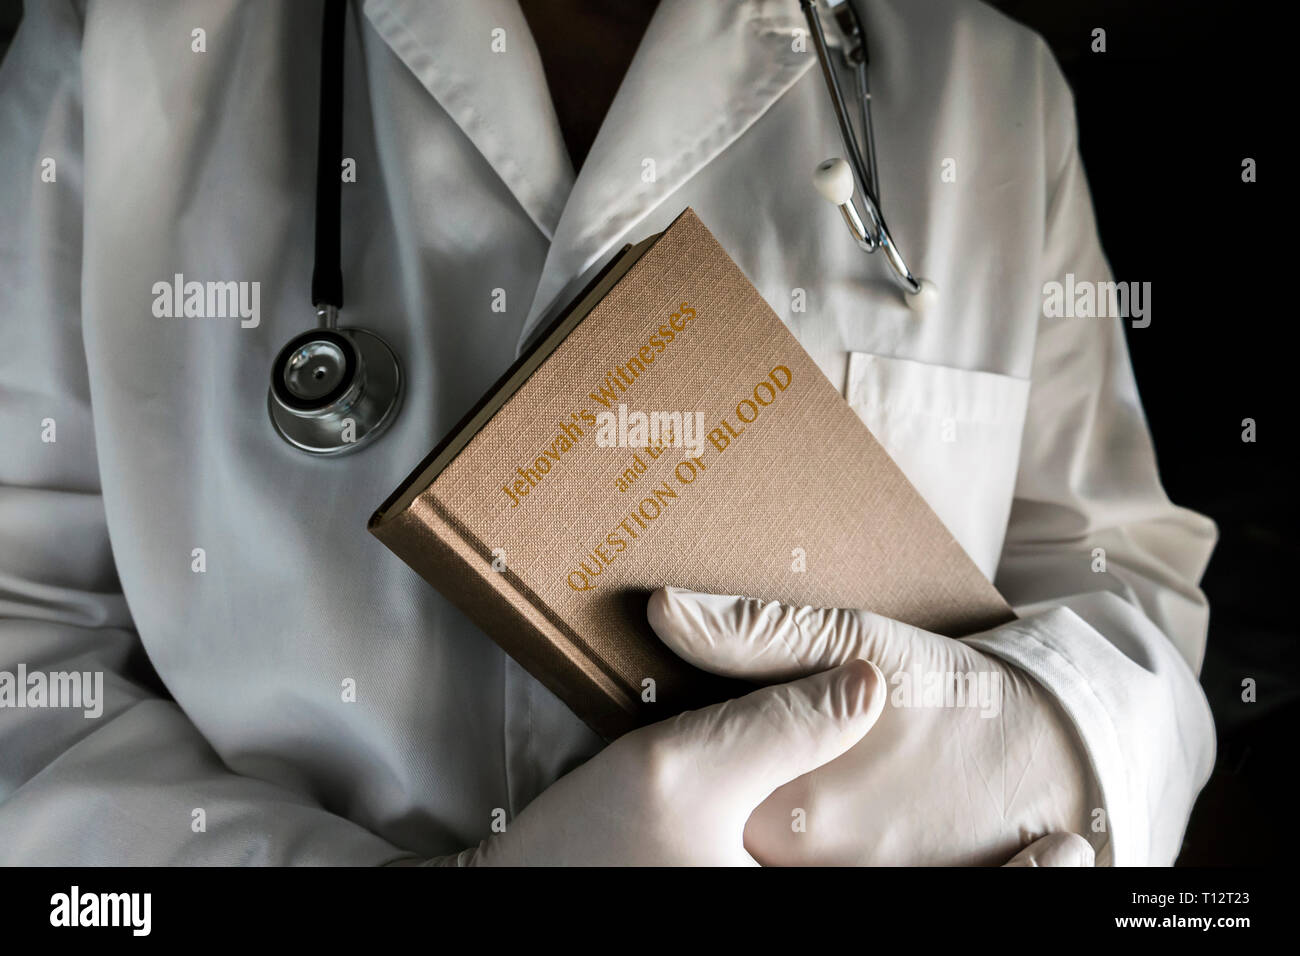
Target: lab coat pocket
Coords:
[(955, 433)]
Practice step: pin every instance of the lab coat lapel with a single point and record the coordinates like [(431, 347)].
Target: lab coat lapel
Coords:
[(704, 72), (479, 61)]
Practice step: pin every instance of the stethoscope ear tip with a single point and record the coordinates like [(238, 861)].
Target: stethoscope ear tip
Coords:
[(834, 180), (923, 300)]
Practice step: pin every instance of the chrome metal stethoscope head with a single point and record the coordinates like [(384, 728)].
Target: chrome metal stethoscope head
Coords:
[(334, 390)]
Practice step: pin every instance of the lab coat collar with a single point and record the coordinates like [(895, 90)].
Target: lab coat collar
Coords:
[(479, 62), (704, 72)]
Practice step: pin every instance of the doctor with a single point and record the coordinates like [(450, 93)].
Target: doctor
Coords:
[(278, 688)]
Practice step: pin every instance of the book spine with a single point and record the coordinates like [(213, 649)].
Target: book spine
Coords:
[(425, 537)]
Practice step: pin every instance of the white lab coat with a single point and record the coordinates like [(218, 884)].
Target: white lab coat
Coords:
[(1024, 433)]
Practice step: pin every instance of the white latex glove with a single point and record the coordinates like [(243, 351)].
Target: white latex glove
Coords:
[(929, 785), (1055, 849), (679, 792)]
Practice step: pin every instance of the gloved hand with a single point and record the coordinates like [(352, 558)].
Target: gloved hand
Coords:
[(680, 791), (1055, 849), (930, 785)]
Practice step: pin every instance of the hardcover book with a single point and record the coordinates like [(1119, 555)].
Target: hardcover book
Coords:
[(667, 428)]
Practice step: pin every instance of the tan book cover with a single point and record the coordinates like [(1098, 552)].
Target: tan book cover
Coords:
[(667, 429)]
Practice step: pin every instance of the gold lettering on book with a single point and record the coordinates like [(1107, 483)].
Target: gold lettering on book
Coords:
[(618, 380), (660, 497)]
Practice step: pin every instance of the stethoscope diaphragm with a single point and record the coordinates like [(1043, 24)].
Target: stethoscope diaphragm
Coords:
[(334, 390)]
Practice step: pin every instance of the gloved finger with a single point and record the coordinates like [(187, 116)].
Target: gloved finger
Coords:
[(769, 641), (771, 736), (1055, 849)]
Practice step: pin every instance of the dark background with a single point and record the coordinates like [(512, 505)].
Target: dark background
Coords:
[(1184, 92)]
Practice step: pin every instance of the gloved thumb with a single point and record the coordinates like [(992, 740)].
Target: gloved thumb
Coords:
[(1055, 849), (760, 742), (767, 641)]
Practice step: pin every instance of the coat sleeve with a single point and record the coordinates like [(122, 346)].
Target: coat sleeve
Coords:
[(1103, 568), (124, 778)]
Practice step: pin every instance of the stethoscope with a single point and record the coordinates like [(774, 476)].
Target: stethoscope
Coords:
[(835, 178), (335, 389)]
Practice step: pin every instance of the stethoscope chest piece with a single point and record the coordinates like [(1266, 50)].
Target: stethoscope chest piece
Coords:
[(334, 390)]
